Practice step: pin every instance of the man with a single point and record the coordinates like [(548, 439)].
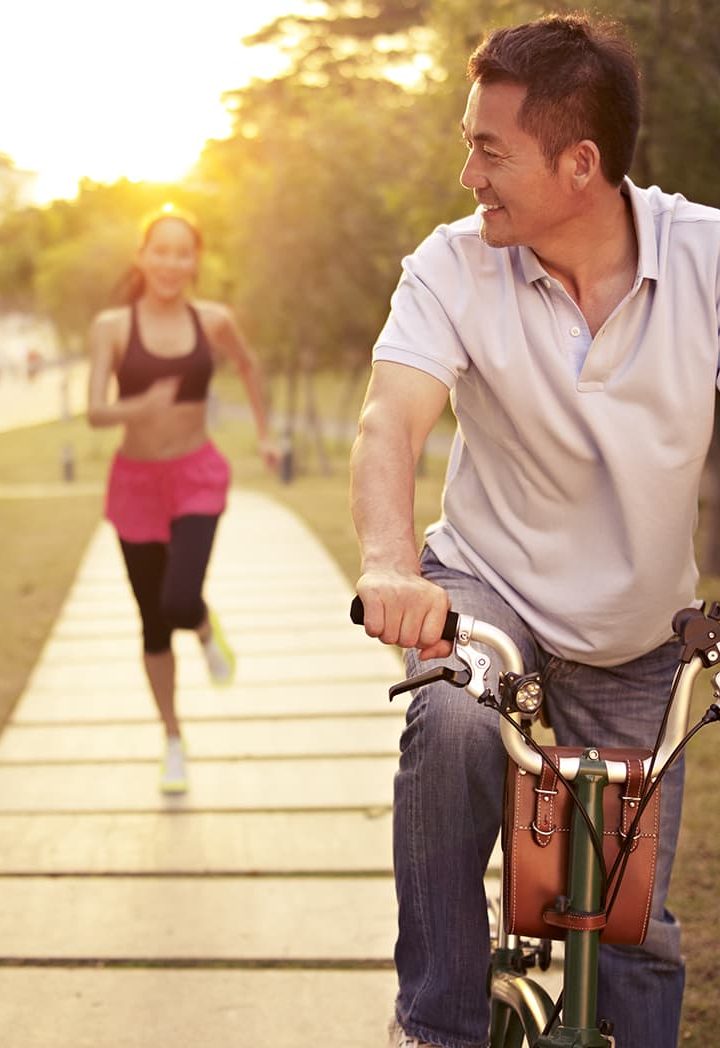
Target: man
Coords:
[(573, 320)]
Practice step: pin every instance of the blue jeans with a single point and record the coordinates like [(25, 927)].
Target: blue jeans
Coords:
[(448, 803)]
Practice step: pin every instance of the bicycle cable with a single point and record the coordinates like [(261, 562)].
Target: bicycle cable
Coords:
[(625, 852), (623, 856), (579, 806), (649, 787), (606, 878)]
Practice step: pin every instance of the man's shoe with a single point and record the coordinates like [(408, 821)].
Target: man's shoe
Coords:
[(400, 1039), (173, 776), (219, 656)]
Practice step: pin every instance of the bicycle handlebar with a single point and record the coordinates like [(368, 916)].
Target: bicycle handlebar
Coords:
[(463, 630), (357, 614)]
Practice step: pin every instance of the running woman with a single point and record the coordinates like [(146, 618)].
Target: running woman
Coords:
[(168, 482)]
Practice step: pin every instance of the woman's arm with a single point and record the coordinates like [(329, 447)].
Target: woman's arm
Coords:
[(228, 339), (101, 412)]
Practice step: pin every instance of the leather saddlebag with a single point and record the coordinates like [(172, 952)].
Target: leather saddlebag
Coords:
[(536, 832)]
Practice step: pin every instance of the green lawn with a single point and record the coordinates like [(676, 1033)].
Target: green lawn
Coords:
[(43, 539)]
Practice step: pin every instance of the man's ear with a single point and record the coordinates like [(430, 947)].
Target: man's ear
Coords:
[(583, 161)]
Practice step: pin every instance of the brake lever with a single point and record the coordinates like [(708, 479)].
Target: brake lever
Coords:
[(458, 679), (471, 677)]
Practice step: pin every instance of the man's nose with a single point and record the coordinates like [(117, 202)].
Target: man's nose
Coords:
[(471, 176)]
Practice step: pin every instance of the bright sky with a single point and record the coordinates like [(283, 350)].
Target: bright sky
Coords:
[(113, 88)]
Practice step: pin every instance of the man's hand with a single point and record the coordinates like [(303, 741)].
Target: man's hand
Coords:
[(405, 609)]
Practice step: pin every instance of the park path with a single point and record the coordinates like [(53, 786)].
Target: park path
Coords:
[(259, 908)]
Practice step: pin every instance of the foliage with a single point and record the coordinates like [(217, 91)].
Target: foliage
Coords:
[(320, 212), (677, 47), (64, 260), (336, 169), (353, 38)]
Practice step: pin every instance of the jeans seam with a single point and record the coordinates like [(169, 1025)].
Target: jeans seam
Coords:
[(417, 839)]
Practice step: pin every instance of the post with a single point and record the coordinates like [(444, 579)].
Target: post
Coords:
[(67, 462)]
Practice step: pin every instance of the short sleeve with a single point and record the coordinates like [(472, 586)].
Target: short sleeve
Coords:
[(420, 331)]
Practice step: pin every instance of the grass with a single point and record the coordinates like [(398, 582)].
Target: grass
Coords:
[(43, 540)]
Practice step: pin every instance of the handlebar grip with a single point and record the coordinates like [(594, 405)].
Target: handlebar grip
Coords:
[(357, 615), (682, 618)]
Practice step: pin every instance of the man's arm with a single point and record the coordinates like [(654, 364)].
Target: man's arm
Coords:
[(401, 406)]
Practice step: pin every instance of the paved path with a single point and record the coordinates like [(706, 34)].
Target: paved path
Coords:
[(258, 910)]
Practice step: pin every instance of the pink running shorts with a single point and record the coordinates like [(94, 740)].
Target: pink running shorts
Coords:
[(144, 496)]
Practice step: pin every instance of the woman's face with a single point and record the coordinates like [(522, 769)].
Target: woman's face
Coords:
[(168, 259)]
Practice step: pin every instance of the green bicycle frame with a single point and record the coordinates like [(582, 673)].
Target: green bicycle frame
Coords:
[(578, 1026)]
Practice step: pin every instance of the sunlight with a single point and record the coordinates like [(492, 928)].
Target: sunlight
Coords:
[(129, 89)]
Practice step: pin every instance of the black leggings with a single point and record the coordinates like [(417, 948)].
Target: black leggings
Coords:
[(167, 579)]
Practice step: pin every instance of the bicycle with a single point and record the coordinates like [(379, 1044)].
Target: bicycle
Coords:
[(522, 1012)]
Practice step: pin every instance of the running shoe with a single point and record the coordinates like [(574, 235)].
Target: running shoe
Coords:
[(173, 774), (219, 656)]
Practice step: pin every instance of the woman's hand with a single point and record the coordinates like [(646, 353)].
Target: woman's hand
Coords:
[(160, 395), (270, 454)]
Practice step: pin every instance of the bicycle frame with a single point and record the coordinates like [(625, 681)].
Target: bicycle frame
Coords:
[(520, 1008)]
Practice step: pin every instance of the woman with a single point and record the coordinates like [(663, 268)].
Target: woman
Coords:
[(168, 483)]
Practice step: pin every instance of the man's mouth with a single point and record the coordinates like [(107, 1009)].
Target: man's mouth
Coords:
[(490, 207)]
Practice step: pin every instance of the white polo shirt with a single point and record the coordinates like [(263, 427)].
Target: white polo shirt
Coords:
[(572, 486)]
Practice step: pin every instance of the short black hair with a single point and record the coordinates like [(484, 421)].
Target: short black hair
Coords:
[(582, 81)]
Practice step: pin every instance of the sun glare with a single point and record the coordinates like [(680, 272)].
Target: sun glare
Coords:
[(124, 88)]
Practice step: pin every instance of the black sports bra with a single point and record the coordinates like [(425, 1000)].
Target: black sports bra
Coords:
[(139, 368)]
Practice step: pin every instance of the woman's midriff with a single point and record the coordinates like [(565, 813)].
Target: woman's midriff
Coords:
[(178, 430)]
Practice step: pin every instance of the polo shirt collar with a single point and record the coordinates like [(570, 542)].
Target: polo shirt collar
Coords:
[(644, 228)]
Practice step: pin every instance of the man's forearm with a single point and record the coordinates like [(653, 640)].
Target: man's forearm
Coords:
[(382, 490)]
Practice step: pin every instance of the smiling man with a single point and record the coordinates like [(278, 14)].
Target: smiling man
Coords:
[(573, 321)]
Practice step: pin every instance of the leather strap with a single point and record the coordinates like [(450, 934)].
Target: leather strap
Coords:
[(631, 799), (587, 922), (543, 826)]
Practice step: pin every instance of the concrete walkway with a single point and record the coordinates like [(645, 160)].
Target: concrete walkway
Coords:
[(257, 910)]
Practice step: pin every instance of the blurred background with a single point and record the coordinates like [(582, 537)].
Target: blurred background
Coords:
[(317, 142)]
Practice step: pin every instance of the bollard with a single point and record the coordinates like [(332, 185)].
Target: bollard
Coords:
[(287, 465), (67, 462)]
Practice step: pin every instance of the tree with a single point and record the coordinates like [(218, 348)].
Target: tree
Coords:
[(317, 187), (353, 38), (677, 46)]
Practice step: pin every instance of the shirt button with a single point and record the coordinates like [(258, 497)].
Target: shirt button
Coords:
[(546, 282), (574, 331)]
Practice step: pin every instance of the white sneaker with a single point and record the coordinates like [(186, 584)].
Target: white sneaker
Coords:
[(400, 1039), (219, 656), (173, 776)]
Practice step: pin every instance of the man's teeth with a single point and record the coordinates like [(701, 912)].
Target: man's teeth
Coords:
[(491, 207)]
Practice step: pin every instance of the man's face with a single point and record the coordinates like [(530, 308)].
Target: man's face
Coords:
[(523, 201)]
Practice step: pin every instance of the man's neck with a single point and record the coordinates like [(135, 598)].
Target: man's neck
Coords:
[(596, 258)]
